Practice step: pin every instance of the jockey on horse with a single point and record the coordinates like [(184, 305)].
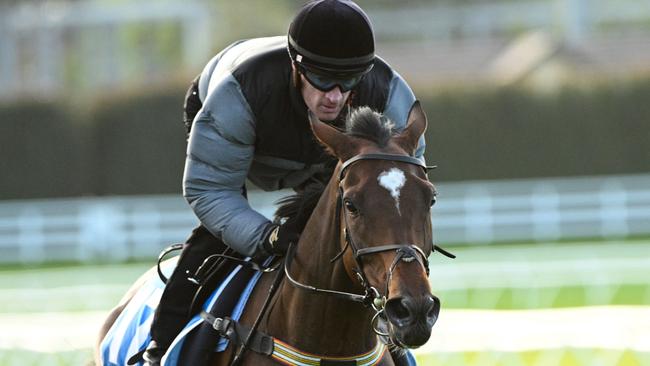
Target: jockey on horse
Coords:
[(247, 118)]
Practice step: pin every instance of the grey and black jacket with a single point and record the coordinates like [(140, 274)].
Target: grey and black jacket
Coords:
[(253, 124)]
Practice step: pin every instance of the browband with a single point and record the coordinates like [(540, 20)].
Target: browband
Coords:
[(390, 157)]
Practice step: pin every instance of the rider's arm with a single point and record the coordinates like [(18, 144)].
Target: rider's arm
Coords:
[(219, 155), (398, 106)]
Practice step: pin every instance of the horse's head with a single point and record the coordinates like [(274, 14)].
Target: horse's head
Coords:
[(384, 211)]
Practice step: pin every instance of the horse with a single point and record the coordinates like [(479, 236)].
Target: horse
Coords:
[(358, 277)]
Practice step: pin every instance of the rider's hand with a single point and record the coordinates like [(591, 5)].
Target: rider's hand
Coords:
[(278, 239)]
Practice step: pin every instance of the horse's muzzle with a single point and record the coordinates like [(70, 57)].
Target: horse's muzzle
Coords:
[(411, 319)]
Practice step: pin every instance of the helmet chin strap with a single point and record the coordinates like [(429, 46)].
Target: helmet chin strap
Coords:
[(296, 80)]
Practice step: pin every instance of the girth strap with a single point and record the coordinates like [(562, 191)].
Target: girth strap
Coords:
[(265, 344), (236, 332)]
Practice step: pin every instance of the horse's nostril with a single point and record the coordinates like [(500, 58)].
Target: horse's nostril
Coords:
[(405, 311), (401, 311), (398, 311), (432, 312), (434, 308)]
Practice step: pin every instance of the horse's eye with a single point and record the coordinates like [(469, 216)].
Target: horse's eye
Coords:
[(434, 200), (350, 206)]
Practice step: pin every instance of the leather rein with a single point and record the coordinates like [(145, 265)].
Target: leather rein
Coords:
[(250, 338), (404, 252)]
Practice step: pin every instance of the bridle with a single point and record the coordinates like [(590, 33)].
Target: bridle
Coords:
[(370, 298), (403, 252)]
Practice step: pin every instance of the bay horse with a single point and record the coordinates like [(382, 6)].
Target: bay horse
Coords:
[(360, 268)]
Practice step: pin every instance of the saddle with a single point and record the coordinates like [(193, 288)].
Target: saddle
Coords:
[(233, 277), (201, 343), (225, 281), (220, 325)]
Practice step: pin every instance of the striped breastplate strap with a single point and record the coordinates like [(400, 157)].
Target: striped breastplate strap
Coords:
[(291, 356)]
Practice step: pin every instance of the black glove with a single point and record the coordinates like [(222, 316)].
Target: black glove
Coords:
[(278, 239)]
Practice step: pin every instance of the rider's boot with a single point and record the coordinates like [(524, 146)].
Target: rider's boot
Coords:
[(153, 354)]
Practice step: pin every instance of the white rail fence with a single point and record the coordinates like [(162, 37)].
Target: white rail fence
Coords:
[(122, 228)]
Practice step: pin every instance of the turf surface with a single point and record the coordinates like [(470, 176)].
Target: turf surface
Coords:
[(530, 276)]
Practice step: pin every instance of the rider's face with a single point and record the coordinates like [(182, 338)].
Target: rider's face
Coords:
[(326, 105)]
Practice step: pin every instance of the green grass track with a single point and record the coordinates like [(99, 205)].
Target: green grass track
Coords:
[(508, 279)]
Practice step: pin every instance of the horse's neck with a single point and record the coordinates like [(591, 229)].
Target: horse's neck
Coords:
[(321, 323)]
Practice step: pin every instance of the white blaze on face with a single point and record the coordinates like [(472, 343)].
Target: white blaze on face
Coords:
[(393, 180)]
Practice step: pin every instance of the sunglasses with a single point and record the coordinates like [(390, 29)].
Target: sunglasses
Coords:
[(326, 83)]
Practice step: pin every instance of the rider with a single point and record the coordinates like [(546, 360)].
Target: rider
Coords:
[(247, 116)]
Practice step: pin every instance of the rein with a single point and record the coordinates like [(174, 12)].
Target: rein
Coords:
[(267, 345), (404, 252)]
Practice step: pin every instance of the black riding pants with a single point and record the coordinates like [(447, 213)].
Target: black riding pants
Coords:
[(173, 311), (174, 308)]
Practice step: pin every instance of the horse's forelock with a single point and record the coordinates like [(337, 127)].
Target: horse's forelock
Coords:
[(370, 125)]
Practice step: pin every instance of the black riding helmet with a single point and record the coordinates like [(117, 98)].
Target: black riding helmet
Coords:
[(332, 38)]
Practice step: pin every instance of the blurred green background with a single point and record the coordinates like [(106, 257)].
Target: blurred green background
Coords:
[(539, 122)]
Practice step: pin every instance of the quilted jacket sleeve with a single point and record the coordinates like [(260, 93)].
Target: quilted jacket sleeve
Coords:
[(219, 155), (398, 106)]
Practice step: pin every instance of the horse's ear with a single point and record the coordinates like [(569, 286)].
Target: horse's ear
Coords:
[(415, 127), (338, 143)]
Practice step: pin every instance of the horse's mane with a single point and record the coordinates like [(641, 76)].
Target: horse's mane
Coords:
[(363, 123), (297, 208)]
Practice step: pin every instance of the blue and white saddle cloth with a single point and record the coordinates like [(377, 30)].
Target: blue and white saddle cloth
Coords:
[(130, 331), (129, 334)]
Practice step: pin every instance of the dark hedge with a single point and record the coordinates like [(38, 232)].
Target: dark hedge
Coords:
[(135, 143)]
